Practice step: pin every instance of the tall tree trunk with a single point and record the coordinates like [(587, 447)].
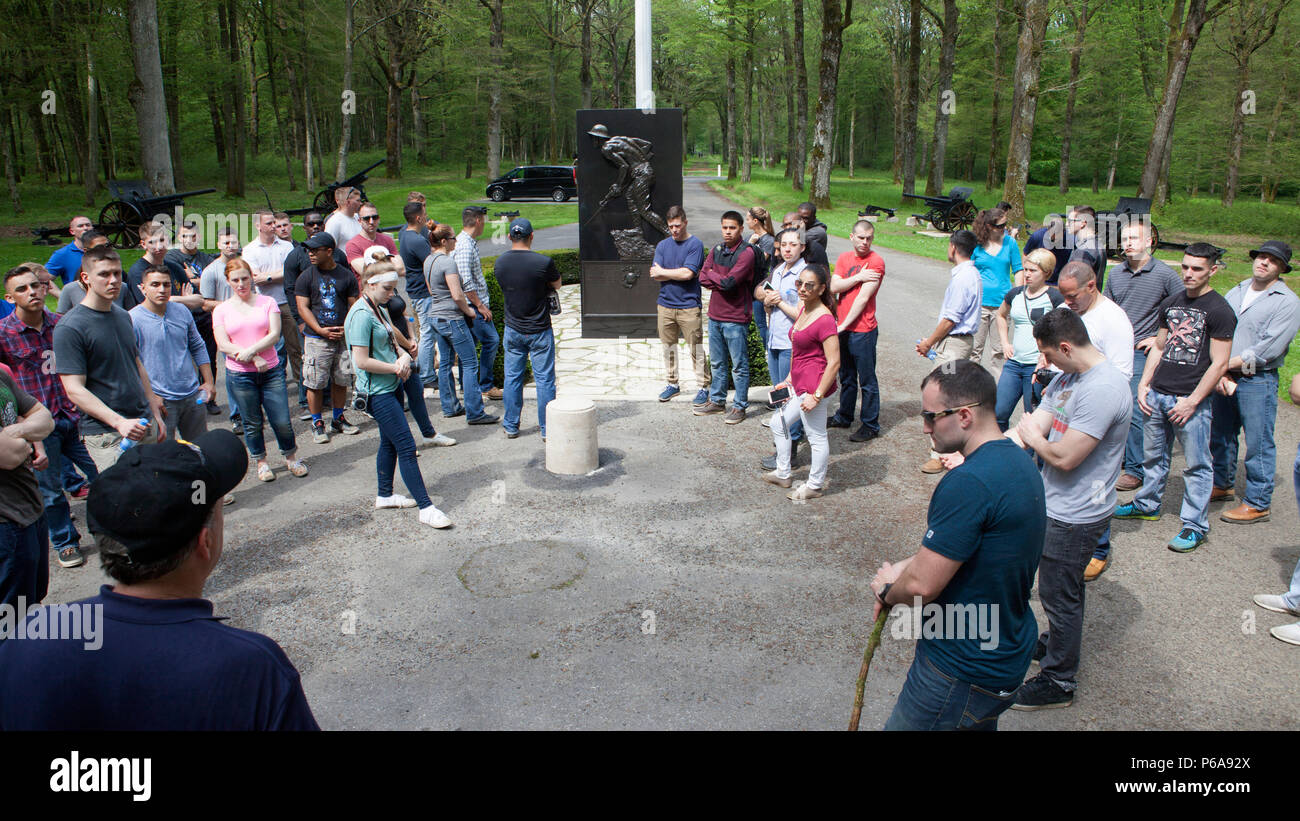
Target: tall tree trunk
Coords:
[(146, 96), (1114, 152), (1029, 57), (747, 143), (912, 101), (787, 59), (1268, 176), (828, 76), (1179, 51), (1080, 20), (1237, 137), (995, 133), (800, 154), (218, 129), (853, 121), (496, 45), (171, 88), (11, 177), (898, 103), (347, 102), (272, 55), (393, 115), (586, 8), (45, 159), (943, 110), (254, 109), (90, 166), (417, 123)]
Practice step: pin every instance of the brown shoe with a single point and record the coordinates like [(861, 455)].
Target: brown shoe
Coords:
[(735, 416), (707, 408), (933, 466), (779, 481), (1244, 514), (1222, 494), (1128, 482), (1095, 568), (494, 393)]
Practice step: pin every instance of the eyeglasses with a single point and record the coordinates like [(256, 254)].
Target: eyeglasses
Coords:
[(314, 222), (931, 416), (803, 284), (1001, 226), (371, 218)]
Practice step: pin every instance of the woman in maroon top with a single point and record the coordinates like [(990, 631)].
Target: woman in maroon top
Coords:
[(814, 361)]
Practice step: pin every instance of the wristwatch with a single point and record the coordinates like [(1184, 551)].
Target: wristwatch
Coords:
[(818, 394), (884, 594)]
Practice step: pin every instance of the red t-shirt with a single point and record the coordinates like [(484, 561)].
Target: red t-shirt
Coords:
[(807, 357), (358, 245), (850, 264)]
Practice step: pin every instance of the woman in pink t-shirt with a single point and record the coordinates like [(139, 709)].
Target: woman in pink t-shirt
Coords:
[(246, 327), (814, 361)]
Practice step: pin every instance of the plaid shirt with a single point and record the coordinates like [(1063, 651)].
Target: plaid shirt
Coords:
[(29, 353)]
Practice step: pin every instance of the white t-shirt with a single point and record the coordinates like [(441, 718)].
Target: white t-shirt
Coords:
[(342, 227), (1250, 295), (269, 258), (1111, 333)]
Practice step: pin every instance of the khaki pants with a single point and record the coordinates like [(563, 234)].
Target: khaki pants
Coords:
[(103, 447), (292, 341), (951, 349), (688, 323), (987, 333)]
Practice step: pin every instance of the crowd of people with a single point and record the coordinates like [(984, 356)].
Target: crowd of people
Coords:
[(1108, 368)]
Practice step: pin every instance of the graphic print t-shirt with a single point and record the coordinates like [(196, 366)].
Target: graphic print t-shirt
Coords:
[(327, 293), (1191, 322)]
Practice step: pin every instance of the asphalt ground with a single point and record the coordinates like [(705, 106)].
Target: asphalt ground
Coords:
[(673, 589)]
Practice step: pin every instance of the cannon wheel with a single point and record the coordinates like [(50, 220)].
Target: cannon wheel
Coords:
[(120, 221), (324, 203), (936, 219), (961, 216)]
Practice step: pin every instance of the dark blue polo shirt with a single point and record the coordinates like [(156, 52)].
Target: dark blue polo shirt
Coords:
[(162, 664)]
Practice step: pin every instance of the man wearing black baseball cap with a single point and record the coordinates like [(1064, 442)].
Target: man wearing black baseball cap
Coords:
[(1268, 316), (161, 659), (527, 279)]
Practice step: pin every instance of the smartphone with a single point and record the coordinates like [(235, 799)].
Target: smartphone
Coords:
[(767, 286), (779, 395)]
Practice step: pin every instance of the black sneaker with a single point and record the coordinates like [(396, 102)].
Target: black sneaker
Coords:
[(836, 422), (1041, 693), (340, 424), (863, 434), (213, 409)]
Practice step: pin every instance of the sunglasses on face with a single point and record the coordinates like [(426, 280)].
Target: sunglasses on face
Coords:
[(931, 416), (314, 222), (805, 285), (371, 218)]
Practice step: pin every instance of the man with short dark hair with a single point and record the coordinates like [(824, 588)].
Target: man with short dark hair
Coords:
[(728, 271), (1052, 237), (527, 281), (71, 294), (27, 348), (370, 236), (813, 229), (1078, 431), (1138, 285), (983, 539), (414, 249), (295, 263), (155, 242), (160, 660), (96, 357), (676, 267), (192, 260), (284, 228), (1268, 317), (857, 278), (1088, 247), (325, 293), (953, 338), (1194, 344), (470, 267), (171, 349)]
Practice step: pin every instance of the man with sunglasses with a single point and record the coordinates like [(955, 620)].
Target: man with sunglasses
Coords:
[(298, 261), (369, 237), (983, 539), (1088, 247)]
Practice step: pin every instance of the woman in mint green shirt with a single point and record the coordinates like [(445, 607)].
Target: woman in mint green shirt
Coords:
[(381, 368), (1021, 308)]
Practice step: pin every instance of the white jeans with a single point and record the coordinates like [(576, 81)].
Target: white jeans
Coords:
[(814, 426)]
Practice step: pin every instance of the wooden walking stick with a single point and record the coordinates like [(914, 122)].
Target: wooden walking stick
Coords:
[(872, 644)]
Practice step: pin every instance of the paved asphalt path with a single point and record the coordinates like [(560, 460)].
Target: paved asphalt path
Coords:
[(674, 589)]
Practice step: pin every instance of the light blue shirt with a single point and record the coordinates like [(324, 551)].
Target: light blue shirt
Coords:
[(1266, 327), (961, 302), (779, 322), (161, 340), (997, 272)]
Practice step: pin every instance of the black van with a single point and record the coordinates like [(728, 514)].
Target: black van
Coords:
[(559, 182)]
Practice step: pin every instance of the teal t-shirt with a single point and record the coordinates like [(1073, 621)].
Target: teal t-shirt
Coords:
[(363, 328), (1023, 313), (997, 273)]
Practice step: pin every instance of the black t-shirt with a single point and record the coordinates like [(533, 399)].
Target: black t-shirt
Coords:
[(524, 278), (1191, 324), (1091, 253), (413, 248), (328, 293), (192, 266), (294, 265)]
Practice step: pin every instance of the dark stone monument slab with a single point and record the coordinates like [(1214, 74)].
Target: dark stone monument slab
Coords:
[(629, 174)]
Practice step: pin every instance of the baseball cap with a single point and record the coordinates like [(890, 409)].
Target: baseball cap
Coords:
[(1277, 249), (375, 252), (321, 240), (520, 228), (157, 497)]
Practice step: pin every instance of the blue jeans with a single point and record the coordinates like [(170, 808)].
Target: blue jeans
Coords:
[(76, 457), (1292, 596), (428, 339), (1198, 479), (760, 323), (396, 449), (933, 700), (24, 562), (1254, 408), (1133, 453), (778, 367), (727, 341), (63, 533), (1015, 383), (858, 372), (485, 333), (413, 391), (539, 349), (454, 339), (256, 392)]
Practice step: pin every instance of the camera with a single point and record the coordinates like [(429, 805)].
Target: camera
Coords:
[(360, 403)]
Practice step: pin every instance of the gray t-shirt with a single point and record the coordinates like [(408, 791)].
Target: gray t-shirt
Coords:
[(436, 269), (1096, 402), (100, 345), (212, 282), (70, 297)]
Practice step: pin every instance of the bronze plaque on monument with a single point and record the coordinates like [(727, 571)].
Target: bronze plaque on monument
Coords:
[(629, 174)]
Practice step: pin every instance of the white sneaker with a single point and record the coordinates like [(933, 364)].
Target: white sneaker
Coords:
[(396, 500), (1289, 633), (1268, 601), (438, 440), (433, 517)]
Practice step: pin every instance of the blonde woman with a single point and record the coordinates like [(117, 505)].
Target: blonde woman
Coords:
[(1020, 309)]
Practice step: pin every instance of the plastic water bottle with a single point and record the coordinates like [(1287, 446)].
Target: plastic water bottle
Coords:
[(127, 444), (202, 398), (930, 354)]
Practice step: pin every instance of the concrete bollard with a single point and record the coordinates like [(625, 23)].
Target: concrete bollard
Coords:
[(571, 446), (892, 219), (912, 222), (871, 218)]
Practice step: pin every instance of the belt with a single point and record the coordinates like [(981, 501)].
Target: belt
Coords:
[(969, 334)]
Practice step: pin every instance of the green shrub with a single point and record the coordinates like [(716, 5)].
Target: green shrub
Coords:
[(566, 260)]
